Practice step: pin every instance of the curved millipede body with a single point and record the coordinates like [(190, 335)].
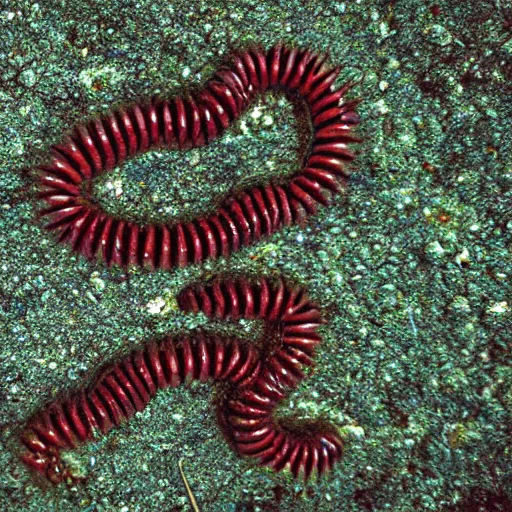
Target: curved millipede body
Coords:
[(259, 376), (247, 416), (192, 121), (125, 388), (248, 422)]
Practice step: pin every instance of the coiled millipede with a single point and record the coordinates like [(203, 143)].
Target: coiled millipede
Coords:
[(259, 377)]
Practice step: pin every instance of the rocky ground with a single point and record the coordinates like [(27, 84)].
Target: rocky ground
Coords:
[(413, 267)]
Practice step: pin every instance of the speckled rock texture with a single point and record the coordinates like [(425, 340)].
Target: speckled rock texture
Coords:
[(412, 267)]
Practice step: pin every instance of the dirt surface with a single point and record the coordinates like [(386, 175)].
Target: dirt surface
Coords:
[(412, 267)]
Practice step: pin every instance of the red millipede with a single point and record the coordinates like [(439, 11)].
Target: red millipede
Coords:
[(192, 121), (259, 376)]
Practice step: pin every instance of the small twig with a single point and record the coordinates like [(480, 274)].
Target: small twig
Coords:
[(410, 313), (193, 501)]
